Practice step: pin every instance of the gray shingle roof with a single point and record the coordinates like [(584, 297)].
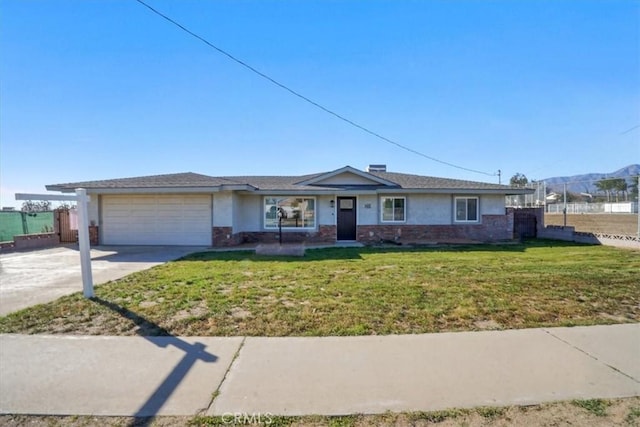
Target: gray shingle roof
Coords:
[(174, 180), (279, 183), (407, 181), (273, 182)]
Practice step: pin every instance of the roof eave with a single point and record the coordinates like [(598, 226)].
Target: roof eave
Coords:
[(350, 191), (496, 191), (59, 188), (150, 190), (323, 192), (520, 191)]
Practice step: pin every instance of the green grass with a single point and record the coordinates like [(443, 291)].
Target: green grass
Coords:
[(356, 291), (491, 412), (633, 416)]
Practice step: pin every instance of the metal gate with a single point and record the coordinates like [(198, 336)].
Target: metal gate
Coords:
[(525, 223)]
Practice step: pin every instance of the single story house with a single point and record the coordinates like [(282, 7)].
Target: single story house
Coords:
[(346, 204)]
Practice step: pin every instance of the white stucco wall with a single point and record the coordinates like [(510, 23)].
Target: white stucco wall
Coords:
[(248, 211), (223, 209), (325, 214), (432, 209), (94, 209), (368, 209), (492, 205)]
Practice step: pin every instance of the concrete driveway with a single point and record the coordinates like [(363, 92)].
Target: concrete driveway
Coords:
[(35, 277)]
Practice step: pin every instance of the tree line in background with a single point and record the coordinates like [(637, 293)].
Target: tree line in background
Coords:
[(42, 206), (608, 190), (36, 206), (616, 187)]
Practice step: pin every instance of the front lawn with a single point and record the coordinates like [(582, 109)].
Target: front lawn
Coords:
[(356, 291)]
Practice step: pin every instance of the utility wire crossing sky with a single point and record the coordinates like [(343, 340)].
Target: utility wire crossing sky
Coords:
[(455, 89), (310, 101)]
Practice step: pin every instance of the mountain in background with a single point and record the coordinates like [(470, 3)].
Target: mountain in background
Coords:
[(586, 183)]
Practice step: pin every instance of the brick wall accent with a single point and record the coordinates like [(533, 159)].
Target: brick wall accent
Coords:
[(325, 234), (45, 240), (94, 235), (224, 236), (5, 246), (35, 241), (492, 228)]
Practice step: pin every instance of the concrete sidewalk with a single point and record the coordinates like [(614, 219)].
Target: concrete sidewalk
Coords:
[(329, 376)]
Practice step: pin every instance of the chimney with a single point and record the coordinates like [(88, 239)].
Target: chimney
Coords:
[(377, 168)]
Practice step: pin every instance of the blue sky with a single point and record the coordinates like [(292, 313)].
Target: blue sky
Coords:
[(106, 89)]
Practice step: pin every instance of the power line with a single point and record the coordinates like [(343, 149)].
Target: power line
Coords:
[(304, 98), (630, 129)]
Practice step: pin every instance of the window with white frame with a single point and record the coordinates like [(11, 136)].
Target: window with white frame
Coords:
[(466, 209), (296, 212), (393, 209)]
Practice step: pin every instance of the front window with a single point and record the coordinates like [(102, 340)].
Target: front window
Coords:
[(296, 212), (466, 209), (393, 209)]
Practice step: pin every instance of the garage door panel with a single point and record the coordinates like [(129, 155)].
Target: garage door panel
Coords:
[(156, 220), (167, 207), (175, 225), (196, 216)]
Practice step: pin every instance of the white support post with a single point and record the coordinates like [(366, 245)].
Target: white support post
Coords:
[(83, 231), (83, 241)]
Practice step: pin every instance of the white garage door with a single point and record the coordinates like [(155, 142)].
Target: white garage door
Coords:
[(156, 220)]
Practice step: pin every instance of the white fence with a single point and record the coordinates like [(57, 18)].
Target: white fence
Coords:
[(594, 208)]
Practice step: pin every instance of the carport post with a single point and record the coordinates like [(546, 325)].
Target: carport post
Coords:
[(83, 242)]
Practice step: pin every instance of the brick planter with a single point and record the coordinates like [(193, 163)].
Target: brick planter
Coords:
[(224, 236), (35, 241)]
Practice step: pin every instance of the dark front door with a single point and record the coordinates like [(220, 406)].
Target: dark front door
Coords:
[(346, 218)]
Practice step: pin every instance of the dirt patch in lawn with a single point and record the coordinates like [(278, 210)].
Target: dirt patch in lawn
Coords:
[(487, 325)]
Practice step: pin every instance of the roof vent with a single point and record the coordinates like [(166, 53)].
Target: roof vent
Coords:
[(377, 168)]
